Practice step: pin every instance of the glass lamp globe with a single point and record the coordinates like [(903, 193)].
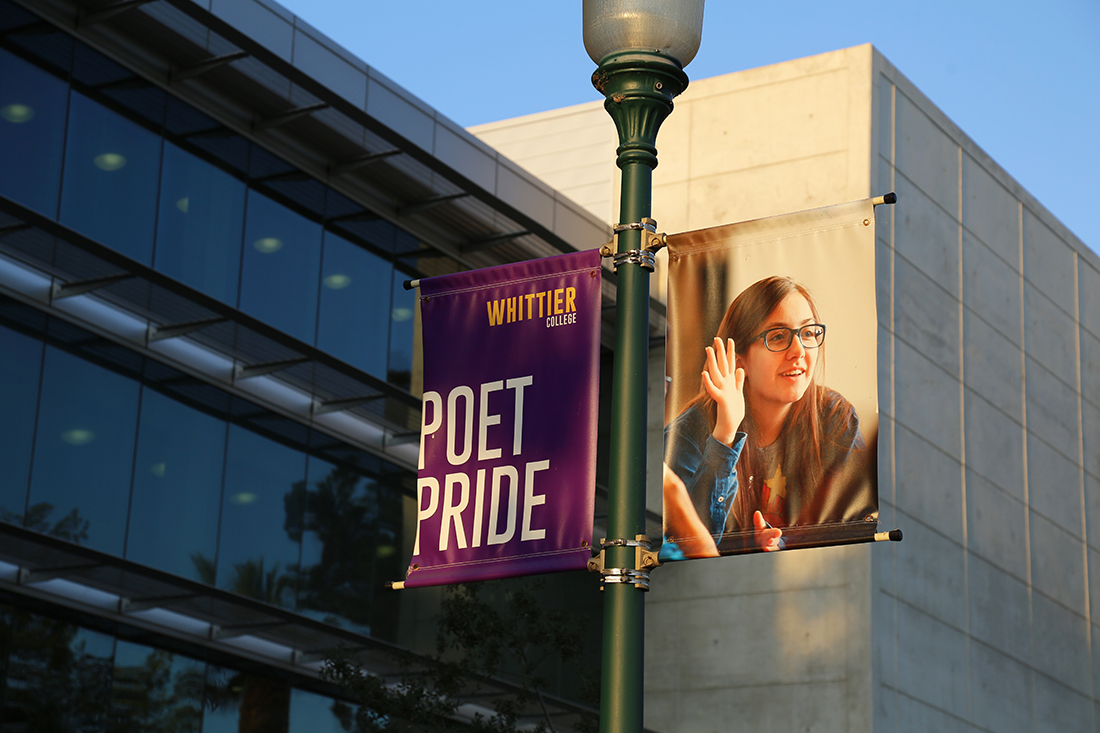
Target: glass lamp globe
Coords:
[(672, 27)]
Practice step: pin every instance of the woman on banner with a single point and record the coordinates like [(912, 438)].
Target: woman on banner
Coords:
[(764, 446)]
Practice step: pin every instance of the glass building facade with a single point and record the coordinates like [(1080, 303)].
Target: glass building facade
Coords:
[(111, 156), (162, 470)]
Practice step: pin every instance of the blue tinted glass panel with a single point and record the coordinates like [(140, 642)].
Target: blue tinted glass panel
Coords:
[(200, 225), (58, 677), (48, 47), (402, 314), (32, 133), (84, 451), (339, 529), (183, 119), (110, 182), (229, 148), (20, 365), (177, 487), (221, 711), (310, 713), (281, 266), (258, 557), (155, 690), (355, 297), (93, 69), (139, 100)]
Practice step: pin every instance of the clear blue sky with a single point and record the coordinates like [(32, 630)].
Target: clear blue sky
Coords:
[(1021, 78)]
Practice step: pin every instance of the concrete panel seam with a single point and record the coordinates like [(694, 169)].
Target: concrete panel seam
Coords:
[(930, 706), (893, 356), (765, 166), (971, 391), (988, 325), (1027, 495), (1054, 522), (926, 614), (992, 562), (962, 434), (928, 196), (760, 685), (953, 627), (1081, 461), (934, 529), (1035, 287), (1030, 667), (916, 349), (763, 85), (917, 267), (911, 93), (772, 592), (1036, 364), (1044, 441), (988, 246)]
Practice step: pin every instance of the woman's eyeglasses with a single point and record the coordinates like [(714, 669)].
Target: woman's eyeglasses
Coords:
[(779, 339)]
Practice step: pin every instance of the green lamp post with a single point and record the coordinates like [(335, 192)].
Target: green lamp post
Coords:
[(641, 47)]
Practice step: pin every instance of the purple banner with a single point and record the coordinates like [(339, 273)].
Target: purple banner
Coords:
[(508, 441)]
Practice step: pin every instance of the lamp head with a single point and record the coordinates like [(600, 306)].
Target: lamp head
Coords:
[(670, 27)]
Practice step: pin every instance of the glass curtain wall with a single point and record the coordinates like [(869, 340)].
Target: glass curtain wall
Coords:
[(109, 449), (111, 156), (64, 677), (126, 456)]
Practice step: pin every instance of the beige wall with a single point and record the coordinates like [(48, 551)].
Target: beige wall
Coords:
[(984, 618), (766, 141), (572, 149)]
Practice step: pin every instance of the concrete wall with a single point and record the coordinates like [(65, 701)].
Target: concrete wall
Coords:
[(983, 617), (989, 393), (572, 149)]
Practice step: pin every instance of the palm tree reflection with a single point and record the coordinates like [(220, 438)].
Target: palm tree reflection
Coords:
[(263, 703)]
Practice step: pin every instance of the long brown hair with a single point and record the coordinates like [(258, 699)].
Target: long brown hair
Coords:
[(802, 430)]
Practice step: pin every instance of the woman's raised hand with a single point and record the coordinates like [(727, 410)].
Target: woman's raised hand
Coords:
[(768, 538), (725, 382)]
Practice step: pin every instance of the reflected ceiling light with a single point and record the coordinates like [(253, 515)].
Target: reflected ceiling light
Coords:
[(244, 497), (337, 282), (184, 204), (17, 112), (402, 314), (110, 161), (267, 245), (78, 436), (158, 469)]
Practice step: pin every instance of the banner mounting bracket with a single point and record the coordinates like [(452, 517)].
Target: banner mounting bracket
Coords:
[(653, 240), (645, 559)]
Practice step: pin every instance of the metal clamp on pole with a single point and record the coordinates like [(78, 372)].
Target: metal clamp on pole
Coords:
[(639, 578), (643, 257), (653, 240), (645, 225), (644, 560)]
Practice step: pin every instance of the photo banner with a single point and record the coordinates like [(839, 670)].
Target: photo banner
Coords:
[(771, 409), (507, 472)]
